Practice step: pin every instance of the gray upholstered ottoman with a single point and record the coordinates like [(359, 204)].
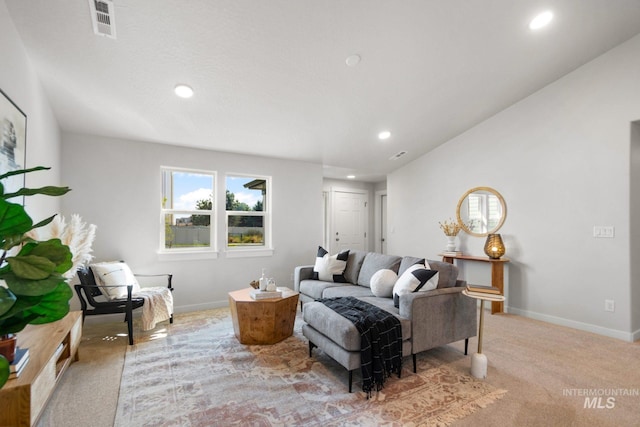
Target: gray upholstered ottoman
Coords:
[(339, 338)]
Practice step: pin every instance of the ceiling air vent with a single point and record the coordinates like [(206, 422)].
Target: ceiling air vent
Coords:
[(103, 18), (397, 155)]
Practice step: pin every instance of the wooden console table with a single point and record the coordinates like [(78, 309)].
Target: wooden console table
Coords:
[(52, 348), (497, 274)]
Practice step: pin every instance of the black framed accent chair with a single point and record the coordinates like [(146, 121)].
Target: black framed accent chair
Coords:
[(111, 288)]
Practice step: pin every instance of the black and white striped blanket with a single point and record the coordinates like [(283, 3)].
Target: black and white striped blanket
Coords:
[(380, 339)]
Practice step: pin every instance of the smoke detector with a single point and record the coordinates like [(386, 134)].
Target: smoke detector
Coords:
[(103, 18)]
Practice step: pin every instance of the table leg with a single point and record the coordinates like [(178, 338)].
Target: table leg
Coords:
[(497, 280), (479, 360), (481, 326)]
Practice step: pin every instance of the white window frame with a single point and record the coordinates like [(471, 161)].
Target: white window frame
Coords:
[(266, 213), (170, 254)]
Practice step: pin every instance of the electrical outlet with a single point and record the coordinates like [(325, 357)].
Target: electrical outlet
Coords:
[(604, 231), (609, 305)]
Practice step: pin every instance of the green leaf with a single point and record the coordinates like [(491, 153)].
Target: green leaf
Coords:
[(27, 287), (31, 267), (15, 240), (13, 219), (23, 171), (15, 323), (4, 370), (15, 315), (56, 252), (7, 300), (47, 191), (53, 306), (45, 221)]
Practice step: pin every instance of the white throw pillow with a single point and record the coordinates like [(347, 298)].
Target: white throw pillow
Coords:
[(416, 278), (114, 274), (330, 268), (382, 283)]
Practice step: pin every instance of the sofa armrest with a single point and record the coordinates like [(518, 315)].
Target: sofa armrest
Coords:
[(300, 273), (439, 317), (461, 284)]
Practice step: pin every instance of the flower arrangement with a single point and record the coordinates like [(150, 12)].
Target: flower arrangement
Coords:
[(450, 227)]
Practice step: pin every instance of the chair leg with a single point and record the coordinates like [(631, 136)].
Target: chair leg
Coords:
[(171, 318), (414, 364), (466, 345), (311, 347), (129, 314), (130, 329), (350, 379)]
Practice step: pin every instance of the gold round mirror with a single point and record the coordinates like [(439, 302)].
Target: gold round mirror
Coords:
[(481, 211)]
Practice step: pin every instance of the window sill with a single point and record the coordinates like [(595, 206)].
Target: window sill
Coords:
[(186, 255), (248, 252)]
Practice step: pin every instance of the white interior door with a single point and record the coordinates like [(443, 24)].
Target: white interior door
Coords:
[(349, 221)]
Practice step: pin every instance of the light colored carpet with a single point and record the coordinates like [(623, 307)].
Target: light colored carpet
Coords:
[(535, 361), (201, 375)]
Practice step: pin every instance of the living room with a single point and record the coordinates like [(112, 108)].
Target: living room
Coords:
[(564, 154)]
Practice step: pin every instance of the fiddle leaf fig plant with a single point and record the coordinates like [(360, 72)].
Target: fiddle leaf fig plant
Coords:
[(33, 289)]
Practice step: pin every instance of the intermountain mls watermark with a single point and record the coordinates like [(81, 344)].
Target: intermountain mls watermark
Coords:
[(601, 398)]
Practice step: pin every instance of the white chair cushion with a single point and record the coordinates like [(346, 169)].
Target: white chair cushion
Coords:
[(114, 274)]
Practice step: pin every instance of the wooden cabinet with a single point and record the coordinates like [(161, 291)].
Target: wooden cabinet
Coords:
[(52, 348)]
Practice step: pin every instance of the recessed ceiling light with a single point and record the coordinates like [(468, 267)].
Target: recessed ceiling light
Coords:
[(353, 60), (351, 176), (541, 20), (384, 135), (183, 91)]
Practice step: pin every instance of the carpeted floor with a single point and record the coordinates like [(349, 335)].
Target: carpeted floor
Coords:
[(546, 369), (201, 375)]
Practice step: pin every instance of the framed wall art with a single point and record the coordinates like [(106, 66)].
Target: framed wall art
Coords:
[(13, 142)]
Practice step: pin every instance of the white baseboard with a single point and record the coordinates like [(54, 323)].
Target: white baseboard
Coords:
[(103, 318), (613, 333), (203, 306)]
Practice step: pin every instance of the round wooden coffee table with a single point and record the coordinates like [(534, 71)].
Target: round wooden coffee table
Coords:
[(265, 321)]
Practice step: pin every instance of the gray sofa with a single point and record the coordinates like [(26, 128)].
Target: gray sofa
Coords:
[(429, 319)]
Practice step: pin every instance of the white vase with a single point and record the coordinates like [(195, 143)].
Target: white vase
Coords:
[(451, 243)]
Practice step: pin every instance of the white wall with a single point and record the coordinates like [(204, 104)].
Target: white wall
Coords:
[(116, 185), (561, 160), (20, 82)]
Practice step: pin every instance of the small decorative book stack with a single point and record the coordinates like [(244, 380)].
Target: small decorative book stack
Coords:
[(19, 362), (258, 294), (482, 291), (451, 253)]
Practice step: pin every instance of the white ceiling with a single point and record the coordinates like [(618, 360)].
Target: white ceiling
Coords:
[(270, 76)]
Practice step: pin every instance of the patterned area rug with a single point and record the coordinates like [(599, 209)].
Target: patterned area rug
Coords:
[(198, 374)]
